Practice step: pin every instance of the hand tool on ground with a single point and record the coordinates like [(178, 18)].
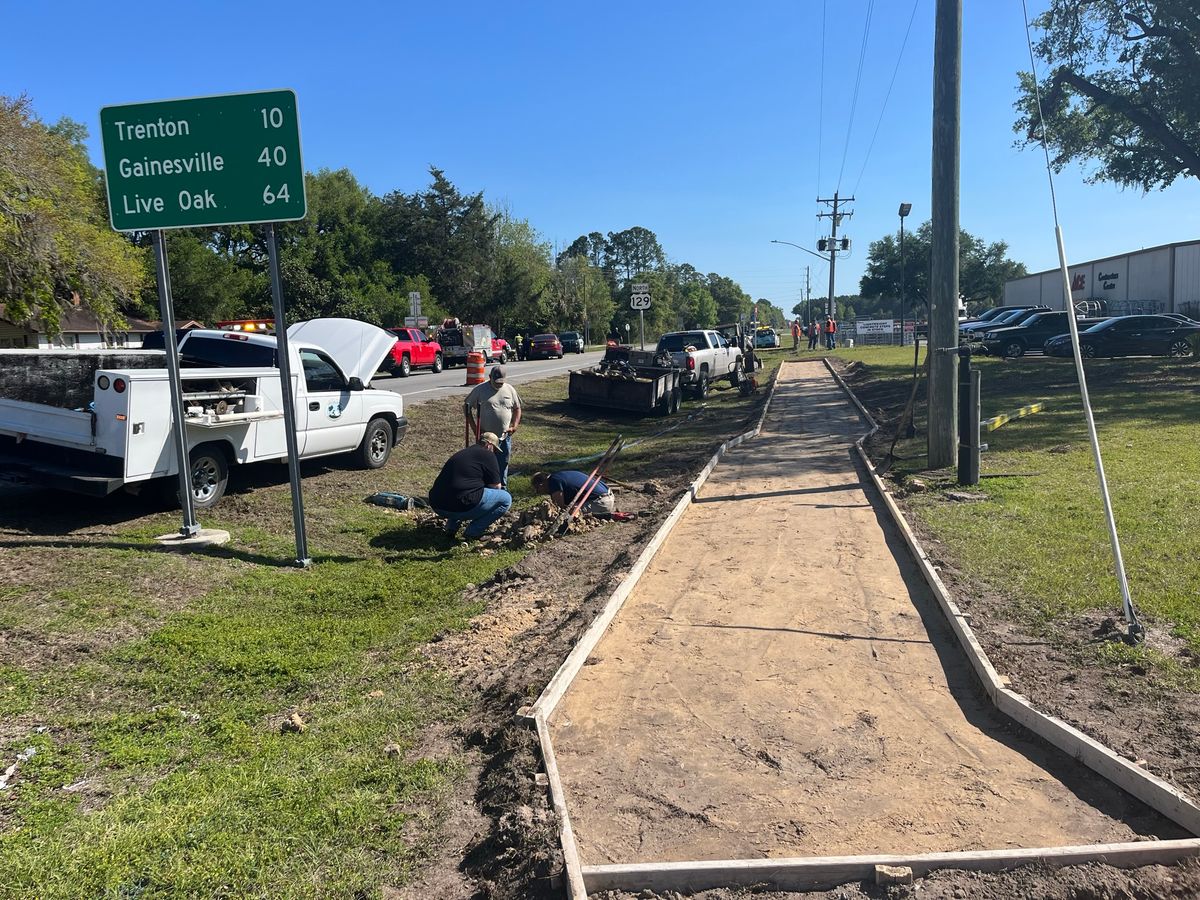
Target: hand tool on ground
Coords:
[(560, 524)]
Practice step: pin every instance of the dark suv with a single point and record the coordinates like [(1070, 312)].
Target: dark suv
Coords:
[(572, 341), (1015, 340)]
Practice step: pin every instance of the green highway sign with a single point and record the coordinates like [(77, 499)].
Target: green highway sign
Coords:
[(226, 160)]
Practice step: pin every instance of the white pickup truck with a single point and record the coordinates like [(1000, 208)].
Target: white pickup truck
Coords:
[(233, 412), (704, 356)]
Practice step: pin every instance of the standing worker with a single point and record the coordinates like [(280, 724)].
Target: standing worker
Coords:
[(468, 488), (830, 333), (494, 406), (814, 333), (519, 347), (795, 335)]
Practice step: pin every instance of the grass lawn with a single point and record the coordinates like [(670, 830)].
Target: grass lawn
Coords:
[(151, 686), (1040, 536)]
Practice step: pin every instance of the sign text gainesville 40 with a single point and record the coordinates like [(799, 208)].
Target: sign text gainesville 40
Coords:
[(222, 160)]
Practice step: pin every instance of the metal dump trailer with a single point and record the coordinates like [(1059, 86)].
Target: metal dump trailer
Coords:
[(638, 381)]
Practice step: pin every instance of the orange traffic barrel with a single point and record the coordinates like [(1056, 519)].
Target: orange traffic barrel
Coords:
[(475, 364)]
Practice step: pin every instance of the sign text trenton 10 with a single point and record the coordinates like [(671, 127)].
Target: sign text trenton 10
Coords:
[(224, 160)]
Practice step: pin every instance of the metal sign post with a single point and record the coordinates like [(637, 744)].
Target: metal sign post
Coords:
[(178, 432), (232, 159), (414, 303), (639, 299), (284, 362)]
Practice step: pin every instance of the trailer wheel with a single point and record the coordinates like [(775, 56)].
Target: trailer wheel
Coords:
[(376, 446), (676, 400), (210, 475), (735, 376)]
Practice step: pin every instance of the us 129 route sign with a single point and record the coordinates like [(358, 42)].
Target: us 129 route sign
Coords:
[(226, 160), (639, 296)]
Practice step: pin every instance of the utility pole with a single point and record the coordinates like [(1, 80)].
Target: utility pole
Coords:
[(943, 293), (808, 290), (836, 216)]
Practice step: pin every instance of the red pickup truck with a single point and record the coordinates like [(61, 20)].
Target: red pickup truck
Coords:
[(414, 350)]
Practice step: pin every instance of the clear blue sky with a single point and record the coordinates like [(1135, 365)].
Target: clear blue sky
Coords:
[(702, 121)]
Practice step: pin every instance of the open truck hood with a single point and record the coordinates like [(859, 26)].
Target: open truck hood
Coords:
[(358, 348)]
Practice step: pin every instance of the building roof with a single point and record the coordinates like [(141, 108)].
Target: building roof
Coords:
[(77, 320)]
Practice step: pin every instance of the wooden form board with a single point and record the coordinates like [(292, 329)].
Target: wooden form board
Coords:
[(825, 872)]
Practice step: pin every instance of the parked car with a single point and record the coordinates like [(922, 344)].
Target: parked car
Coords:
[(1012, 341), (1012, 317), (1132, 336), (572, 341), (545, 346), (413, 350), (996, 312), (766, 337)]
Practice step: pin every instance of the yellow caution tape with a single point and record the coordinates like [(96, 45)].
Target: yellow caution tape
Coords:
[(996, 421)]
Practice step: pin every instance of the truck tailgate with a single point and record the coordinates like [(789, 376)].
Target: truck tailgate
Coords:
[(37, 421)]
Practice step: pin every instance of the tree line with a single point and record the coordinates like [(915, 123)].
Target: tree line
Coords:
[(356, 254)]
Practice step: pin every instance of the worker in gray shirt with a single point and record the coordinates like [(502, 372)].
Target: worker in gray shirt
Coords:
[(494, 406)]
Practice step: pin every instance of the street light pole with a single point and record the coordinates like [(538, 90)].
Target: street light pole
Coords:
[(905, 209)]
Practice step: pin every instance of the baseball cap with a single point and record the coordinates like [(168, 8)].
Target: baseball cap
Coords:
[(498, 374), (489, 437)]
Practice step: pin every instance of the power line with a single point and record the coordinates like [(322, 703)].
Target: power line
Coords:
[(887, 96), (821, 98), (862, 58)]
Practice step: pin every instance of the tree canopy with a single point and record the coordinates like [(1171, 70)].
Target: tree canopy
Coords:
[(55, 241), (983, 268), (1123, 91), (356, 254)]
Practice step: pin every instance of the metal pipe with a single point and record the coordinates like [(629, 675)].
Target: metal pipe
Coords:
[(284, 362), (178, 430), (1136, 631)]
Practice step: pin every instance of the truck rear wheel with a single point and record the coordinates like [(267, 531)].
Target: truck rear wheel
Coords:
[(210, 476), (405, 367), (700, 391), (376, 446), (437, 363)]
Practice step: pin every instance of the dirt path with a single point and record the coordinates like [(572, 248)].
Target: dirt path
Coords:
[(781, 683)]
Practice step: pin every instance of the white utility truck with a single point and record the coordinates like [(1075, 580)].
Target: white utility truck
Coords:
[(233, 411), (704, 356)]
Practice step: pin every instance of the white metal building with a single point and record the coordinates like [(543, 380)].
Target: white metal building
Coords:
[(1156, 280)]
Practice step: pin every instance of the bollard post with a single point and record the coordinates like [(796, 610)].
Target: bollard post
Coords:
[(969, 384)]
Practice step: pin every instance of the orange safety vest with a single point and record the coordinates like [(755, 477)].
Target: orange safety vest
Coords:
[(830, 327)]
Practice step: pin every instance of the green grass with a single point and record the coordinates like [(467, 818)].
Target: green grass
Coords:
[(152, 685), (1040, 537)]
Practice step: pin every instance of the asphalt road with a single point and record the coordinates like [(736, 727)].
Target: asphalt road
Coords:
[(423, 385)]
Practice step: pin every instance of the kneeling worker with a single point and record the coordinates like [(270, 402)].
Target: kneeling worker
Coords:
[(563, 486), (468, 488)]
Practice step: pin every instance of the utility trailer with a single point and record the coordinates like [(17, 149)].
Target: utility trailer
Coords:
[(638, 381)]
